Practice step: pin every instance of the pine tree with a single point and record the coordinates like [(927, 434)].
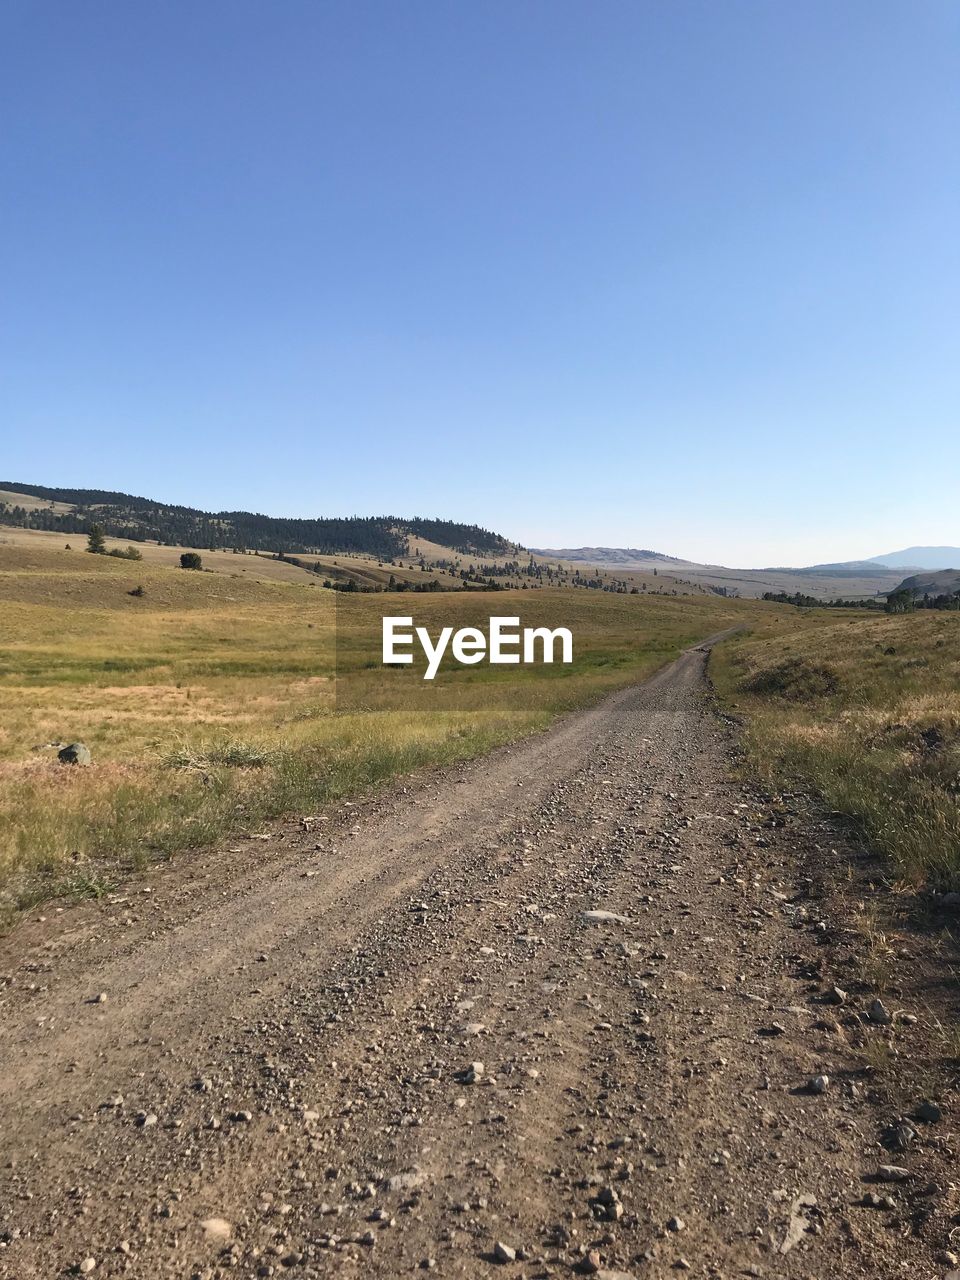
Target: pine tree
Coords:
[(96, 541)]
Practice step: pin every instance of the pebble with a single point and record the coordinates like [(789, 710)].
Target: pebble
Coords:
[(879, 1013), (407, 1181), (217, 1230), (872, 1201), (87, 1265)]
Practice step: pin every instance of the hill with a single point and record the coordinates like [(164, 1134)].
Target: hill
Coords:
[(945, 582), (921, 558), (137, 519), (853, 580), (613, 557)]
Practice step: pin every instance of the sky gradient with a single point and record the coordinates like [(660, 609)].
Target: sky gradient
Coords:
[(668, 274)]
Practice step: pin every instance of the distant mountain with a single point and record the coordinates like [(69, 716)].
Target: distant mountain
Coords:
[(921, 558), (850, 580), (123, 515)]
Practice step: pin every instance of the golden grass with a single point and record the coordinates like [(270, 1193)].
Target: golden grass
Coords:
[(209, 703), (884, 746)]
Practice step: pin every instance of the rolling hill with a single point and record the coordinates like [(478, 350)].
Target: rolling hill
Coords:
[(941, 582), (827, 582)]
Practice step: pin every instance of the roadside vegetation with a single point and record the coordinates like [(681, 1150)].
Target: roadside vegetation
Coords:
[(208, 702), (867, 710)]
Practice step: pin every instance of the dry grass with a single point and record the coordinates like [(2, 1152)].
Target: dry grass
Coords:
[(209, 702), (880, 738)]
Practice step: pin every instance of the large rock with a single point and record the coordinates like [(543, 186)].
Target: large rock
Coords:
[(75, 753)]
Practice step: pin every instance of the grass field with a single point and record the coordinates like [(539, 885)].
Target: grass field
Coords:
[(209, 702), (867, 709)]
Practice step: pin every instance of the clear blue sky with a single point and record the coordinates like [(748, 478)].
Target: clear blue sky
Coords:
[(668, 273)]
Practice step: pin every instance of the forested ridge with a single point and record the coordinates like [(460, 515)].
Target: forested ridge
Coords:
[(125, 515)]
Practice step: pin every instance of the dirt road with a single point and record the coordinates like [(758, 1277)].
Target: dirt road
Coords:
[(406, 1038)]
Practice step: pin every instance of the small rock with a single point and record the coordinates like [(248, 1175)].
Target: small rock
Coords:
[(590, 1263), (217, 1230), (473, 1073), (819, 1084), (503, 1253), (676, 1224), (408, 1181), (929, 1112), (899, 1137), (835, 995), (879, 1013), (146, 1119), (872, 1201), (79, 754), (892, 1173), (86, 1266)]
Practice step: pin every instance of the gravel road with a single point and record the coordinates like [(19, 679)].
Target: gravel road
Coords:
[(557, 1011)]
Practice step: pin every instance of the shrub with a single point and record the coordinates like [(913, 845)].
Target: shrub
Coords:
[(795, 679), (191, 560)]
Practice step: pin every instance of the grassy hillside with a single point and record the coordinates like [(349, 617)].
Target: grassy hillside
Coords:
[(208, 702), (867, 709)]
